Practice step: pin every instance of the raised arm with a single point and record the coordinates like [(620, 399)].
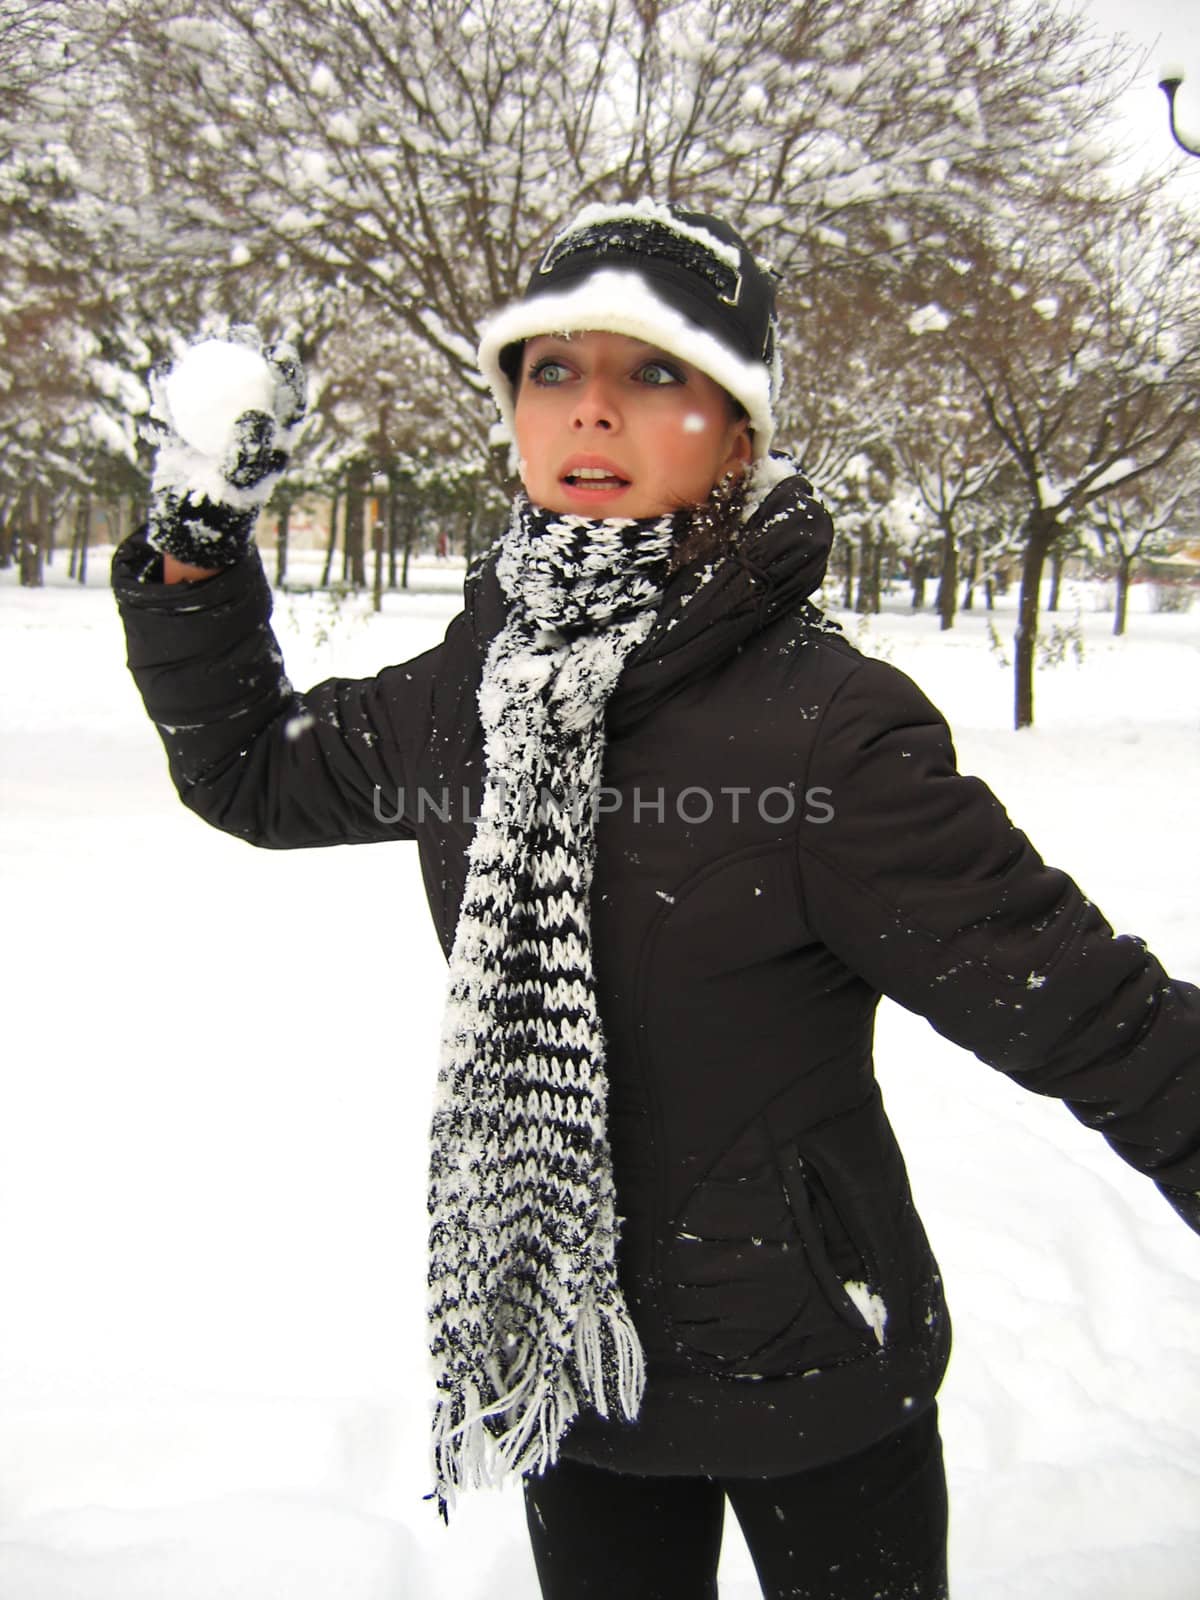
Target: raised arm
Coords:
[(246, 752)]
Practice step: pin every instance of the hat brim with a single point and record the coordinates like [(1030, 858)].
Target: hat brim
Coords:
[(623, 302)]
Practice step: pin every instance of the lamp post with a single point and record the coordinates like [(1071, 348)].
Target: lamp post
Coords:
[(1169, 87)]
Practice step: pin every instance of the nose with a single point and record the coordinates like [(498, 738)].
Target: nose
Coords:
[(595, 405)]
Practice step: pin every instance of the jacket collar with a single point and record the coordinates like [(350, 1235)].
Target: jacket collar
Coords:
[(709, 609)]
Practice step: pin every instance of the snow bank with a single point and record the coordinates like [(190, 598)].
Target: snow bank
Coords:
[(213, 1106), (265, 1546)]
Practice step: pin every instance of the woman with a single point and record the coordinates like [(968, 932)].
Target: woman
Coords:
[(678, 837)]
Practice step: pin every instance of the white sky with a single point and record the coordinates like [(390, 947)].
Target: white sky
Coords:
[(1170, 31)]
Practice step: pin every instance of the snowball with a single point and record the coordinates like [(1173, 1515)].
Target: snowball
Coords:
[(211, 386)]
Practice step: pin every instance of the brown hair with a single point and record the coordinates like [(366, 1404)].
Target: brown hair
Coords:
[(716, 524)]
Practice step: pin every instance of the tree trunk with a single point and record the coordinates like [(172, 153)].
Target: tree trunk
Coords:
[(281, 543), (918, 586), (354, 560), (31, 531), (350, 510), (877, 576), (1056, 567), (330, 548), (83, 530), (1039, 537), (1123, 571), (968, 602), (7, 529), (410, 530), (848, 591), (472, 529), (393, 527), (947, 595), (358, 570), (862, 603), (377, 552)]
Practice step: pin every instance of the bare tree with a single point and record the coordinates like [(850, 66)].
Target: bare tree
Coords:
[(425, 153), (1083, 345), (950, 456), (1141, 523), (373, 177)]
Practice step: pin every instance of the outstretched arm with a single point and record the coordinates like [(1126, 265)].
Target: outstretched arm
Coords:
[(922, 885)]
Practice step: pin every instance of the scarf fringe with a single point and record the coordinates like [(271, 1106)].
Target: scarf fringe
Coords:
[(628, 1363), (474, 1454)]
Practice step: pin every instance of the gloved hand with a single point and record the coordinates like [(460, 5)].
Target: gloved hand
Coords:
[(225, 419)]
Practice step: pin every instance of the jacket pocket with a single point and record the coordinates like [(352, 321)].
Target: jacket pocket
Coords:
[(798, 1253), (856, 1176), (838, 1249), (752, 1268)]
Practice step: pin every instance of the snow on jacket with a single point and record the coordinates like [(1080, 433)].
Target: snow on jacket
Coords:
[(783, 838)]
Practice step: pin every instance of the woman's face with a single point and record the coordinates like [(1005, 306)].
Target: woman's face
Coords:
[(610, 427)]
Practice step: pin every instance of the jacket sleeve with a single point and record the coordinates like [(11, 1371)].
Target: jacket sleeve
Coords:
[(921, 884), (246, 752)]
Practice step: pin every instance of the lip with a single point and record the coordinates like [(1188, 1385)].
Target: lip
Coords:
[(591, 494)]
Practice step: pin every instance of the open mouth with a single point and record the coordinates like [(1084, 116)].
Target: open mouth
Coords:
[(589, 478)]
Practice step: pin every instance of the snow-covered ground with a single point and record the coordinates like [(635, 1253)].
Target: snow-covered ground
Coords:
[(216, 1070)]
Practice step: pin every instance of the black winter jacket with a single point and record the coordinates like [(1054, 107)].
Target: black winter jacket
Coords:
[(783, 838)]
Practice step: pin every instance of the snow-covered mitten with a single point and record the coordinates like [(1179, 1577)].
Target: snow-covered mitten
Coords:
[(226, 417)]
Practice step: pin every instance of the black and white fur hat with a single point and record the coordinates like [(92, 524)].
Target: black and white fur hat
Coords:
[(681, 280)]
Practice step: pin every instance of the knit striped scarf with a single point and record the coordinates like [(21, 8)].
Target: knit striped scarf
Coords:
[(527, 1321)]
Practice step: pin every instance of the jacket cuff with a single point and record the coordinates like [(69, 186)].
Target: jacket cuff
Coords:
[(138, 584)]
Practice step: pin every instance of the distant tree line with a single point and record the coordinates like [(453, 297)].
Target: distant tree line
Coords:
[(992, 341)]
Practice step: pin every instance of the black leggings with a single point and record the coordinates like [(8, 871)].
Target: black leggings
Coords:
[(870, 1527)]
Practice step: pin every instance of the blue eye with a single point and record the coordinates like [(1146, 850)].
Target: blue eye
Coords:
[(548, 373), (658, 375)]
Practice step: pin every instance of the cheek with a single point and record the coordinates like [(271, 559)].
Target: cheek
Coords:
[(527, 438), (694, 422)]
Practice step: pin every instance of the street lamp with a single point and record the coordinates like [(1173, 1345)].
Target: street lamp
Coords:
[(1169, 87)]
